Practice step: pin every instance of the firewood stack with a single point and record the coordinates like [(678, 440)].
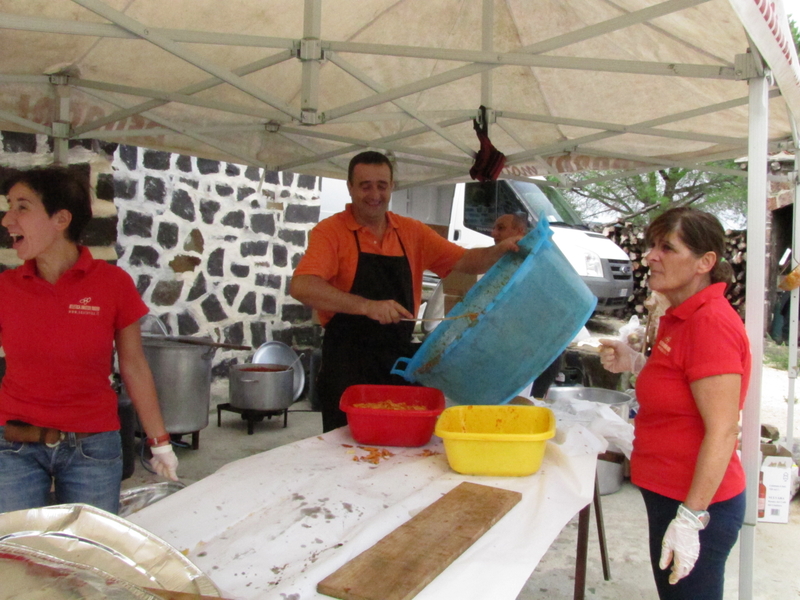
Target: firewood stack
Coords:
[(630, 238)]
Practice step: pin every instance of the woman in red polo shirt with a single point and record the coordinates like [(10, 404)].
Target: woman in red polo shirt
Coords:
[(690, 390), (62, 313)]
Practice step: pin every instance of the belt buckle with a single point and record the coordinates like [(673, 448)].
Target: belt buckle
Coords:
[(61, 436)]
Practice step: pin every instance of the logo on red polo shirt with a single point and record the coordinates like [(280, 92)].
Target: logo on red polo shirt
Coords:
[(664, 346), (84, 307)]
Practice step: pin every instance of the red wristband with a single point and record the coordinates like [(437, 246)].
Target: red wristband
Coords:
[(158, 440)]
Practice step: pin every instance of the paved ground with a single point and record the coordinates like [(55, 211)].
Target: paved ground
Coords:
[(776, 572)]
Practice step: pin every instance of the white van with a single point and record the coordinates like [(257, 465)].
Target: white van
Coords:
[(468, 211)]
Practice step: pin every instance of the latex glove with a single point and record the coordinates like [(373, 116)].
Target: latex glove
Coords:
[(681, 544), (164, 461), (616, 356)]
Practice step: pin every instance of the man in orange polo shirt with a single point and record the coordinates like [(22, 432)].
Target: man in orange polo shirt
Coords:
[(362, 272)]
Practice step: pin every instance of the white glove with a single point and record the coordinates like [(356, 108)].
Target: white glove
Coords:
[(164, 461), (681, 544), (616, 356)]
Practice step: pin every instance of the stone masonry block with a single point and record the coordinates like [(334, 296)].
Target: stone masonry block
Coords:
[(262, 223), (136, 223), (269, 305), (144, 256), (166, 293), (308, 182), (293, 236), (19, 142), (212, 309), (216, 261), (248, 304), (167, 235), (198, 288), (302, 213), (230, 292), (182, 205), (187, 325), (280, 256), (125, 189), (296, 313), (235, 218), (105, 187), (184, 163), (155, 189), (208, 208), (129, 156), (206, 166), (240, 270), (253, 248), (156, 160)]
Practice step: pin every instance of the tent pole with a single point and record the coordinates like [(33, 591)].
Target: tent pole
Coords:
[(754, 318), (61, 119), (793, 299)]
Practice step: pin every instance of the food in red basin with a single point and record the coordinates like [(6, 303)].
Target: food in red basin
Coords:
[(402, 423)]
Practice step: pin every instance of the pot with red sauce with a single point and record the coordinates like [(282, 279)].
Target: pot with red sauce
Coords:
[(261, 386)]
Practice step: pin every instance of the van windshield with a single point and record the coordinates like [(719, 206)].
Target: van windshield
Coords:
[(485, 201), (552, 204)]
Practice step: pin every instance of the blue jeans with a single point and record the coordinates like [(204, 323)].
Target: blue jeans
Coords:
[(706, 580), (88, 470)]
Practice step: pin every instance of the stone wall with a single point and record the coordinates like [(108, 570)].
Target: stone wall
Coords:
[(210, 255)]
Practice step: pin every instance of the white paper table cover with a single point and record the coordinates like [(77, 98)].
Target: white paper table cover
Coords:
[(275, 524)]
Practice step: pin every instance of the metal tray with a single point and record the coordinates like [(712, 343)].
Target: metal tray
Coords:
[(278, 353), (28, 573), (86, 535)]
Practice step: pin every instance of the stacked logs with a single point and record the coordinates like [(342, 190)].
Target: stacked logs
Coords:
[(630, 238)]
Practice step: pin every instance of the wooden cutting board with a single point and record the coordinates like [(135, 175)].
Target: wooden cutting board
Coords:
[(411, 556)]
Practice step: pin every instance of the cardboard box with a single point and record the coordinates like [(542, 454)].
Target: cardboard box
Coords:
[(775, 489), (458, 284), (450, 301)]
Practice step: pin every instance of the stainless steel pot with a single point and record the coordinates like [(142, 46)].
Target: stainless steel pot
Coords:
[(182, 374), (261, 386)]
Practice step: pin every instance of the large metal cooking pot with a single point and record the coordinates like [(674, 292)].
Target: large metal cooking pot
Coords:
[(182, 373), (261, 386)]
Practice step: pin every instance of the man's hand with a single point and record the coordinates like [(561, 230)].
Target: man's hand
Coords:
[(386, 311)]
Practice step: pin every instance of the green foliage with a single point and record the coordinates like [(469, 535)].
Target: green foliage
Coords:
[(599, 196)]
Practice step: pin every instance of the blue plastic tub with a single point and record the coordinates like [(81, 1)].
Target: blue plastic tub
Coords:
[(529, 306)]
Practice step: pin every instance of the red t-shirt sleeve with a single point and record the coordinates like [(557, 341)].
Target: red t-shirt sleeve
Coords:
[(130, 306), (714, 347)]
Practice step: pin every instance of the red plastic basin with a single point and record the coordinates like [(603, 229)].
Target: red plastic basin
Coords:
[(392, 427)]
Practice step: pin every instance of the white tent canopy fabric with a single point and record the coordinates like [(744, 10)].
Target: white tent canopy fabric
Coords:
[(302, 86), (569, 84)]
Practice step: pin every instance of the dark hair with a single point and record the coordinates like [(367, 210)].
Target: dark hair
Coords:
[(700, 231), (369, 157), (60, 188)]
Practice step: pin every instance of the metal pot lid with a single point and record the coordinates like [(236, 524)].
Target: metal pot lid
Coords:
[(278, 353)]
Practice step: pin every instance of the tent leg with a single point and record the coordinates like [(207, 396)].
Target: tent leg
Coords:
[(754, 319)]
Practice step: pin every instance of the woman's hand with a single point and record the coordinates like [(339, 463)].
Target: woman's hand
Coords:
[(681, 545), (618, 357), (164, 461)]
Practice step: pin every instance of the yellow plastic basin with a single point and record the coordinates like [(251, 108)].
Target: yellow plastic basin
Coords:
[(506, 440)]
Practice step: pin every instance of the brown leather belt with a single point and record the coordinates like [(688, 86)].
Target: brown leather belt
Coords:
[(18, 431)]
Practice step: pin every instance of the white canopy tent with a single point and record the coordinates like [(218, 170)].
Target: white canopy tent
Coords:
[(569, 85)]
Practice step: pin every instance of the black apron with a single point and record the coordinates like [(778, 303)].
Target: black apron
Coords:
[(359, 350)]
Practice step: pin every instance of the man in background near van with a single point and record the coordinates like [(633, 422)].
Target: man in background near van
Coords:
[(362, 273), (515, 225), (509, 225)]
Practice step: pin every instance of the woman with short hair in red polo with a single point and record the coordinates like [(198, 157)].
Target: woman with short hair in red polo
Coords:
[(62, 314)]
